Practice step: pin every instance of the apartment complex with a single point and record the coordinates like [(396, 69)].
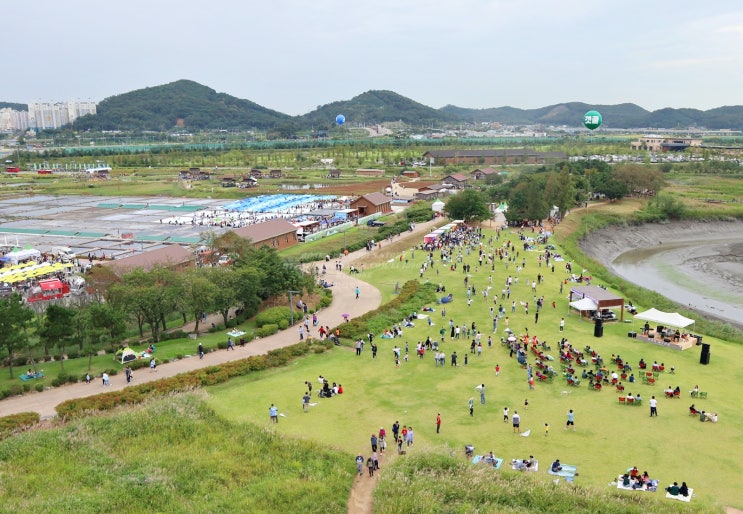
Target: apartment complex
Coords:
[(45, 115)]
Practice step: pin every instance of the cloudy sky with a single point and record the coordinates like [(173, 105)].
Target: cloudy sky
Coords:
[(294, 55)]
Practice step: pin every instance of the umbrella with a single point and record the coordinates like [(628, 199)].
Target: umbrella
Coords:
[(512, 338), (507, 330)]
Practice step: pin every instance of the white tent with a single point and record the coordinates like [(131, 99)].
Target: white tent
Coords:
[(438, 206), (672, 319), (584, 304), (125, 355)]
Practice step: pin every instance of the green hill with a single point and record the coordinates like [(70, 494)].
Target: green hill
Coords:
[(192, 106), (378, 107), (183, 103)]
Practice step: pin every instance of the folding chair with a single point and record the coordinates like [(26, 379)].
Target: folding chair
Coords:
[(623, 400)]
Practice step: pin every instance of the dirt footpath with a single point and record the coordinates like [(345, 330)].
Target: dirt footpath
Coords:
[(344, 302)]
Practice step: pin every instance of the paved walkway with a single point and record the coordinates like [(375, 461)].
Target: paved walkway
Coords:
[(344, 302)]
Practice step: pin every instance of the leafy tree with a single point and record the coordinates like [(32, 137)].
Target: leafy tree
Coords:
[(527, 200), (14, 318), (226, 291), (58, 328), (468, 205), (198, 295)]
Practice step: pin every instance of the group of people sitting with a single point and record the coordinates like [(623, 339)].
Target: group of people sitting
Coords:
[(524, 464), (328, 391), (673, 393), (678, 490), (703, 416), (635, 480)]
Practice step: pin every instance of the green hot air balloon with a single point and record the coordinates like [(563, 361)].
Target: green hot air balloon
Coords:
[(592, 120)]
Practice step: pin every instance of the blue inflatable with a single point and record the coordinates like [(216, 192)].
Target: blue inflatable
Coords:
[(340, 119)]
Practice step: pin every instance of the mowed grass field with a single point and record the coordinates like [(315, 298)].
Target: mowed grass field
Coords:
[(609, 437)]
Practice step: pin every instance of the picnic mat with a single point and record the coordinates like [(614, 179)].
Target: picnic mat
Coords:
[(681, 498), (653, 488), (534, 467), (26, 378), (479, 459), (566, 471)]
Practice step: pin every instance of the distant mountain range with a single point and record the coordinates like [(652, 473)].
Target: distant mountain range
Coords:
[(190, 105)]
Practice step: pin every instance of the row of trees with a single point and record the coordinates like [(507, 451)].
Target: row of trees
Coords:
[(532, 195), (148, 299)]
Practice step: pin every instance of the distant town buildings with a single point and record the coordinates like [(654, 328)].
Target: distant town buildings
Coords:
[(45, 115), (664, 144)]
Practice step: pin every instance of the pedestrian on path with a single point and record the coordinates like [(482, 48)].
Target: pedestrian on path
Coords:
[(105, 379), (360, 464), (358, 291), (370, 466), (153, 365), (128, 373), (201, 351), (230, 344)]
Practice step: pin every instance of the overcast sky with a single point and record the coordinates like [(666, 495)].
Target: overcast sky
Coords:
[(294, 55)]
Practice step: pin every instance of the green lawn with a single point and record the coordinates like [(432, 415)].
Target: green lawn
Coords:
[(609, 438)]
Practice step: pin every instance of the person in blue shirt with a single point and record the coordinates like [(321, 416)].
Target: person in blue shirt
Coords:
[(273, 412)]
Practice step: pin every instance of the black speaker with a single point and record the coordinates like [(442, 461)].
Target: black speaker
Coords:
[(598, 328), (704, 356)]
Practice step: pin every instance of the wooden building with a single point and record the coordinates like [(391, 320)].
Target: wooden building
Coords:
[(372, 203), (277, 233)]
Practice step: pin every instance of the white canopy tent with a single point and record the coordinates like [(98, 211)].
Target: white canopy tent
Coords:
[(672, 319), (584, 304)]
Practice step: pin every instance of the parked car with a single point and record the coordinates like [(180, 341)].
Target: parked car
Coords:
[(375, 223)]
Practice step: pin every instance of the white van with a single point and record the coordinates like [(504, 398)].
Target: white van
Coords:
[(64, 253)]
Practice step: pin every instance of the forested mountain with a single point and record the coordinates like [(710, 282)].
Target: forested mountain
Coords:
[(193, 106), (615, 116), (377, 107), (571, 114), (183, 103)]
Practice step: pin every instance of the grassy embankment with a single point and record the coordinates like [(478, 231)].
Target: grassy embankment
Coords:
[(173, 455)]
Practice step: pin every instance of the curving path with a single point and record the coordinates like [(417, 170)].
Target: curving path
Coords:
[(344, 302)]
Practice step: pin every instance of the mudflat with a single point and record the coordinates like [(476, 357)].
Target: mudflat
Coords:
[(696, 264)]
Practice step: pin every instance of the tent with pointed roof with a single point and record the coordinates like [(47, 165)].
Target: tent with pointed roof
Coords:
[(671, 319)]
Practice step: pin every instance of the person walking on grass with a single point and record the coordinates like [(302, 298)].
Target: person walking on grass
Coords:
[(516, 420), (471, 405), (653, 407), (370, 466), (571, 420), (438, 423), (273, 413)]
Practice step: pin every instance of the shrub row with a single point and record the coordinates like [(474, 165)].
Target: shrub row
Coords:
[(273, 316), (186, 381), (413, 296), (14, 423)]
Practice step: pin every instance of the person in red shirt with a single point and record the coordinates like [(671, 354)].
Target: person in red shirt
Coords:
[(438, 422)]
